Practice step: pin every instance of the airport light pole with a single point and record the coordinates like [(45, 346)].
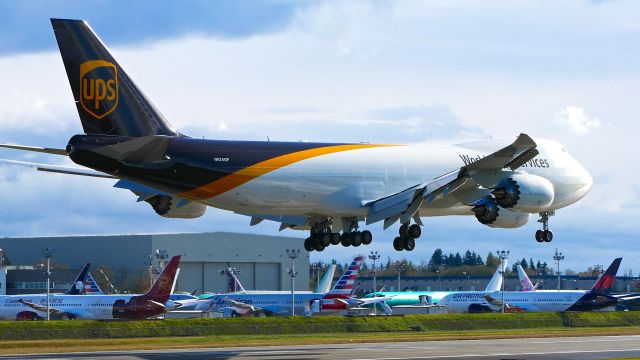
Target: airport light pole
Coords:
[(467, 276), (315, 268), (293, 254), (374, 256), (503, 255), (558, 257), (399, 268), (48, 253)]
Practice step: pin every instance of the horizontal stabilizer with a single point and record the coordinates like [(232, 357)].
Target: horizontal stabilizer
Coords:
[(59, 169), (36, 149)]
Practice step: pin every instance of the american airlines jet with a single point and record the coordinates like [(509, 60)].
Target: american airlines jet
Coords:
[(279, 303), (328, 189), (95, 307)]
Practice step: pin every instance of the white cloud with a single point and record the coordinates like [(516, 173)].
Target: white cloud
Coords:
[(576, 119), (352, 71)]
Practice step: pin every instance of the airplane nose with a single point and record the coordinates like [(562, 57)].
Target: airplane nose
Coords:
[(585, 181)]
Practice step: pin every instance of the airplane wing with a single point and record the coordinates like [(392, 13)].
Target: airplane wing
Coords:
[(243, 307), (627, 297), (405, 204), (510, 307), (52, 310), (59, 169)]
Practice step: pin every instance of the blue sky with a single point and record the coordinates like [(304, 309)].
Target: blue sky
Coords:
[(342, 71)]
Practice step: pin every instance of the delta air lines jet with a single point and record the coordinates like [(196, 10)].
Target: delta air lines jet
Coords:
[(328, 189)]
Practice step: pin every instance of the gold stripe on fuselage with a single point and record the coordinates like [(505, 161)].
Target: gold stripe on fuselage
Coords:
[(247, 174)]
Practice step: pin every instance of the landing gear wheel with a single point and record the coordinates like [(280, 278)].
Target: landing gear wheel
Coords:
[(335, 239), (308, 244), (397, 244), (319, 247), (345, 240), (415, 231), (409, 243), (404, 229), (356, 238), (367, 237), (539, 234), (547, 236), (325, 239)]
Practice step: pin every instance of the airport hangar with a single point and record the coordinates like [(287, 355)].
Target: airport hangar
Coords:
[(261, 259)]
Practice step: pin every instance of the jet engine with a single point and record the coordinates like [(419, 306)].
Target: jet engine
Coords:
[(508, 219), (524, 192), (173, 207), (486, 210)]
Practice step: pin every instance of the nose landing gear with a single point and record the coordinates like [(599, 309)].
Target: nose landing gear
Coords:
[(407, 239), (544, 235)]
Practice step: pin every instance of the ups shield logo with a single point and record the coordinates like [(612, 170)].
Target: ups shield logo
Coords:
[(98, 87)]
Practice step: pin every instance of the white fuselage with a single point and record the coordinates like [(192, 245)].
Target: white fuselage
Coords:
[(276, 302), (530, 301), (85, 307), (338, 184)]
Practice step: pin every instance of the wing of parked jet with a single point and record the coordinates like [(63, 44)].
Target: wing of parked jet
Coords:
[(53, 311), (405, 204), (498, 303)]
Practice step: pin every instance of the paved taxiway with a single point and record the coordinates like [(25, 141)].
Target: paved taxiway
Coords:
[(597, 347)]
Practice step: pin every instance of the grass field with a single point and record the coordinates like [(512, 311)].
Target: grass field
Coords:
[(65, 336)]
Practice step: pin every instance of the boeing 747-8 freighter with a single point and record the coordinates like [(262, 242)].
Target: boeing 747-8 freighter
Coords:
[(328, 189)]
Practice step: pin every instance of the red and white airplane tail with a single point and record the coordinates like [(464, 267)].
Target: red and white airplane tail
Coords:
[(345, 285)]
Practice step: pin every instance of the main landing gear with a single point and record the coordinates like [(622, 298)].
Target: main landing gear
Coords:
[(544, 235), (407, 238), (322, 237)]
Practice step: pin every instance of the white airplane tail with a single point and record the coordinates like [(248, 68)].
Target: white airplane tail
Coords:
[(496, 281), (525, 282), (324, 286)]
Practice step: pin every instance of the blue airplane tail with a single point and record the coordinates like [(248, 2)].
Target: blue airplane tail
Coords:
[(77, 287)]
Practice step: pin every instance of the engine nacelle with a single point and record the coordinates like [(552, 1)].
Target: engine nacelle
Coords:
[(508, 219), (486, 210), (524, 192), (174, 207)]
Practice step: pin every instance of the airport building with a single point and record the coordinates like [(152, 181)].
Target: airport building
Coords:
[(261, 260)]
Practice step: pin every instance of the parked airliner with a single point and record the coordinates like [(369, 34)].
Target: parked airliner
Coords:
[(279, 303), (329, 189), (95, 307), (598, 297)]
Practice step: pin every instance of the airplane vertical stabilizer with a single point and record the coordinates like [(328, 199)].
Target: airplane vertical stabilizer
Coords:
[(324, 286), (108, 101), (496, 280)]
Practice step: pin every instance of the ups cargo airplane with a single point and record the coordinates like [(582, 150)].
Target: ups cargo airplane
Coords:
[(328, 189)]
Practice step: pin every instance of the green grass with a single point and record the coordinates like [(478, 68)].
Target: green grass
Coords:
[(86, 329)]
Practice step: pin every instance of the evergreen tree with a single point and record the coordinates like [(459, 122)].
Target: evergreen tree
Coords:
[(538, 265), (436, 260), (468, 258), (523, 263), (492, 260), (457, 260), (531, 266)]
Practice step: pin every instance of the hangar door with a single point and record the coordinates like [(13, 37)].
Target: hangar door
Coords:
[(190, 277), (268, 276)]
